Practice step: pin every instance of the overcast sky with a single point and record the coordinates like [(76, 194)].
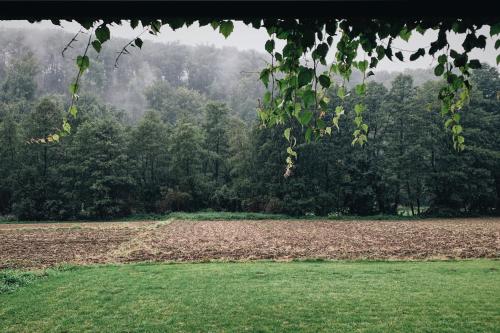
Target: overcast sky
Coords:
[(245, 38)]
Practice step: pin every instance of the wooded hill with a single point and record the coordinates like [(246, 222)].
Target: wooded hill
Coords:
[(174, 128)]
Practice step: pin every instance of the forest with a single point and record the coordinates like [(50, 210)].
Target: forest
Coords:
[(175, 129)]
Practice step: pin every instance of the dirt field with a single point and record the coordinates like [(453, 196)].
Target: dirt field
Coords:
[(42, 245)]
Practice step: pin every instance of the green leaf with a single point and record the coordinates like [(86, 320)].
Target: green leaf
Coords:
[(335, 121), (176, 23), (97, 45), (364, 127), (297, 108), (460, 60), (66, 126), (307, 136), (309, 98), (495, 29), (420, 52), (267, 97), (134, 23), (380, 52), (156, 26), (360, 89), (498, 59), (264, 76), (82, 62), (138, 42), (102, 33), (405, 34), (290, 151), (214, 24), (73, 111), (305, 76), (442, 59), (341, 93), (457, 129), (87, 24), (474, 64), (399, 55), (439, 70), (73, 88), (328, 130), (305, 117), (321, 51), (324, 80), (363, 65), (286, 133), (55, 137), (270, 46), (358, 120), (497, 44), (388, 52), (226, 28), (359, 108)]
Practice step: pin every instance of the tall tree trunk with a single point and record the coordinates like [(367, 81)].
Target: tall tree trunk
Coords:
[(408, 189)]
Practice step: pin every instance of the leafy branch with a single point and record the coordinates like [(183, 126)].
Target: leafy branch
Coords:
[(137, 41)]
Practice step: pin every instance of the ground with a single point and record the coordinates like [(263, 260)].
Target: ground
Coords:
[(442, 296), (45, 245), (440, 275)]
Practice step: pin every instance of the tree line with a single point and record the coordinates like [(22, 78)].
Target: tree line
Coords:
[(191, 151)]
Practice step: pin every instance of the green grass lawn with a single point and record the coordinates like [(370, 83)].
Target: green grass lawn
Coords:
[(453, 296)]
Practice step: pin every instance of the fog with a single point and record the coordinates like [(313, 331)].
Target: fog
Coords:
[(248, 38)]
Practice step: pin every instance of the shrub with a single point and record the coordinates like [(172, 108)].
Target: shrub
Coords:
[(174, 201)]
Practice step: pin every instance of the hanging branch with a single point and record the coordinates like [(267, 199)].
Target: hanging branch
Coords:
[(82, 63)]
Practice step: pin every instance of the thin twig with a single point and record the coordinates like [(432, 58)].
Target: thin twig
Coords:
[(68, 46), (403, 50), (124, 49)]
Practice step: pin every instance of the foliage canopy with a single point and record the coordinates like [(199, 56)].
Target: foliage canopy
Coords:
[(297, 90)]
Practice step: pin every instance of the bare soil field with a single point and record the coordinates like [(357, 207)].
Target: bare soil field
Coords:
[(47, 244)]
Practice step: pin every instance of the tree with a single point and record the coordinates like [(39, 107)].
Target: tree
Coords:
[(297, 88), (186, 167), (399, 104), (19, 83), (10, 145), (103, 182), (217, 142), (148, 151), (172, 103), (36, 194)]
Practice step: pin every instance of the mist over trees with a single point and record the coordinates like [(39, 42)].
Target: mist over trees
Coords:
[(174, 129)]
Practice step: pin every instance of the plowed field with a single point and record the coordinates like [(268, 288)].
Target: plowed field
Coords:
[(43, 245)]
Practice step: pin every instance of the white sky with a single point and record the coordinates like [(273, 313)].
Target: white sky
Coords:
[(245, 38)]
